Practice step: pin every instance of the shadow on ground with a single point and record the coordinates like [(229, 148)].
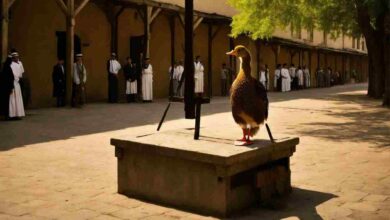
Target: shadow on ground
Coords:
[(365, 123), (300, 203), (44, 125)]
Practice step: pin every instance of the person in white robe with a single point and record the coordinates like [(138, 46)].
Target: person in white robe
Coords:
[(147, 81), (179, 75), (300, 78), (286, 79), (16, 107), (262, 77), (199, 76), (277, 78), (79, 81), (306, 74)]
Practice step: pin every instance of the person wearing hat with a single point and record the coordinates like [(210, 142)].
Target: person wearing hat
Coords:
[(79, 81), (113, 67), (6, 87), (16, 107), (147, 81)]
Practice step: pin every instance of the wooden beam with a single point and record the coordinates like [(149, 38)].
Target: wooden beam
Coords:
[(154, 15), (216, 31), (80, 7), (63, 7), (10, 3), (182, 20), (197, 22), (70, 24), (210, 60), (148, 15), (172, 28), (4, 30)]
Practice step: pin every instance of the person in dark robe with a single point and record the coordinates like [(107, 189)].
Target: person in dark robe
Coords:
[(58, 77), (113, 67), (279, 80), (131, 76), (6, 87)]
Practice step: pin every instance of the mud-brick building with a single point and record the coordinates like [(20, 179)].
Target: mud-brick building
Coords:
[(38, 29)]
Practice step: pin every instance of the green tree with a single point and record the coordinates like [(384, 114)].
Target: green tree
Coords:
[(370, 18)]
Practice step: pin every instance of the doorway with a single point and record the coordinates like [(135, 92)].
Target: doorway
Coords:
[(136, 48), (61, 44)]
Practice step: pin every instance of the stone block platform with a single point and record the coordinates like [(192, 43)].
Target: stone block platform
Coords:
[(209, 176)]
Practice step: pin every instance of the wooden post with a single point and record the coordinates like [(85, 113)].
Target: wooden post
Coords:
[(189, 68), (4, 29), (210, 60), (148, 14), (70, 24), (70, 13), (172, 29), (114, 29)]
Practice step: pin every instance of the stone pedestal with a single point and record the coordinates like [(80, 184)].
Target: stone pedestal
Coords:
[(209, 176)]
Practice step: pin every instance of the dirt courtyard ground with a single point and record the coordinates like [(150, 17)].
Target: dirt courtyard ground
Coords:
[(58, 163)]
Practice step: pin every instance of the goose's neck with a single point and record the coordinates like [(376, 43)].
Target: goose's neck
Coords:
[(245, 66)]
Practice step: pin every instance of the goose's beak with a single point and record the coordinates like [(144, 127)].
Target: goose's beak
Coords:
[(232, 53)]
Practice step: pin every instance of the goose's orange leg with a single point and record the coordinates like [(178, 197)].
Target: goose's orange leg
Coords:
[(248, 139), (244, 136)]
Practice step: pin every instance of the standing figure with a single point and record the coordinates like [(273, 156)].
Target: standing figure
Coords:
[(6, 87), (320, 77), (79, 82), (306, 74), (16, 107), (294, 80), (173, 76), (300, 78), (147, 81), (263, 76), (113, 67), (58, 77), (328, 76), (286, 79), (278, 78), (199, 76), (131, 77), (180, 79), (224, 75)]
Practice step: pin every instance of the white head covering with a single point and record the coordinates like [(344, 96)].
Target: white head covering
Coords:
[(79, 55), (14, 54)]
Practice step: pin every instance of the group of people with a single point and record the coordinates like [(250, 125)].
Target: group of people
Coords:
[(287, 79), (79, 80), (11, 98), (327, 78)]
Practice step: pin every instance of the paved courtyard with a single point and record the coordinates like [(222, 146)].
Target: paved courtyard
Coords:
[(58, 163)]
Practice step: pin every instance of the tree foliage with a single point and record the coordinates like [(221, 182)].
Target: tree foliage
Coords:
[(260, 18)]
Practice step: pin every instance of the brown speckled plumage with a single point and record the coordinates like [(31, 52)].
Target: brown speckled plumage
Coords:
[(248, 96)]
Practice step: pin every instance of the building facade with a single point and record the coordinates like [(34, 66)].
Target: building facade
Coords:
[(37, 29)]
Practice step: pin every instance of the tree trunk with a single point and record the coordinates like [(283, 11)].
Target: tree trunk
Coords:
[(386, 49), (375, 49), (376, 61)]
